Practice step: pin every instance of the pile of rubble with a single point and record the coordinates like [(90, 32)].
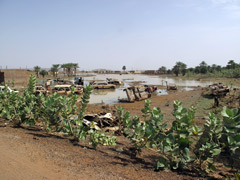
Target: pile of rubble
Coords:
[(219, 89), (102, 121), (138, 93)]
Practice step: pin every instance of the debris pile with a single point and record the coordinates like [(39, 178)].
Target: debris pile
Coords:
[(138, 93), (102, 121), (114, 81), (170, 86), (219, 89)]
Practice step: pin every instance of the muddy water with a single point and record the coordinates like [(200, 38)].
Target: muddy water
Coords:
[(111, 96)]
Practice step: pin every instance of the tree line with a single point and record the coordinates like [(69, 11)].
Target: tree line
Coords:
[(69, 69), (232, 69)]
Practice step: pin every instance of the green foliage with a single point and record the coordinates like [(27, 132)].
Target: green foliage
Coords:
[(162, 70), (32, 84), (18, 109), (54, 69), (180, 67), (172, 144), (97, 137), (175, 144), (123, 119), (210, 143), (231, 135), (37, 70), (178, 146), (69, 68), (43, 73), (55, 109), (57, 113), (13, 83), (75, 127)]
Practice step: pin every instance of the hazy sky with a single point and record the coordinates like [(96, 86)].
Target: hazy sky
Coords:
[(140, 34)]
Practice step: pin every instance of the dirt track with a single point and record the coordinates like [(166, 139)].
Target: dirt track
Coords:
[(30, 153)]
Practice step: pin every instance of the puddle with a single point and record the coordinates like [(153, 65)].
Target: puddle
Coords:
[(161, 92), (107, 96), (187, 89)]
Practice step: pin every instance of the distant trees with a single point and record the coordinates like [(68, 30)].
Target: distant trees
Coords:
[(232, 69), (54, 69), (232, 65), (124, 68), (37, 70), (162, 70), (214, 68), (70, 68), (179, 68), (43, 73), (203, 67), (75, 66)]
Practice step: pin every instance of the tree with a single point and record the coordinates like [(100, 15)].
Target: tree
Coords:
[(203, 67), (162, 70), (70, 68), (43, 73), (190, 69), (180, 67), (37, 70), (183, 69), (213, 68), (54, 69), (197, 69), (75, 66), (232, 65), (64, 66), (218, 68), (124, 68)]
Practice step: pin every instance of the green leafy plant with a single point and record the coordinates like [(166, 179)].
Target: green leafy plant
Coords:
[(231, 135), (32, 84), (172, 144), (57, 113), (76, 128), (209, 145), (18, 109)]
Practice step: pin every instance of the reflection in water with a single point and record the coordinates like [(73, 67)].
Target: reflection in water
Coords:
[(103, 91), (187, 89), (106, 96), (110, 96)]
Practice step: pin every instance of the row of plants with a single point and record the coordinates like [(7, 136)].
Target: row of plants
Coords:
[(183, 144), (55, 112), (180, 146)]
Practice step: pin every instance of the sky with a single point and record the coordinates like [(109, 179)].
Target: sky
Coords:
[(110, 34)]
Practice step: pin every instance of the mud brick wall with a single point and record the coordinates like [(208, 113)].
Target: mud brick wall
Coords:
[(20, 76)]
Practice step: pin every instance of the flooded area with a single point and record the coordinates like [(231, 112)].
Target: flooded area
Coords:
[(147, 79), (111, 96)]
